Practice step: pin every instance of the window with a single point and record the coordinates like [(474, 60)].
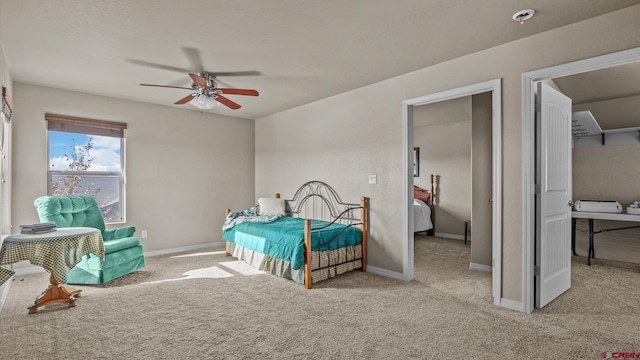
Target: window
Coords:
[(87, 157)]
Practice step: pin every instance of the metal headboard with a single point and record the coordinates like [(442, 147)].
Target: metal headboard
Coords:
[(317, 200)]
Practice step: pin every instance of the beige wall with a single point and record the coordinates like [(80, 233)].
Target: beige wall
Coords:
[(442, 130), (614, 114), (183, 168), (481, 177), (608, 173), (344, 138)]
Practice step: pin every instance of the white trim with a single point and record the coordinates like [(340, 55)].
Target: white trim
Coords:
[(528, 151), (407, 209), (512, 305), (450, 236), (384, 272), (5, 291), (480, 267), (28, 270), (182, 249), (495, 87)]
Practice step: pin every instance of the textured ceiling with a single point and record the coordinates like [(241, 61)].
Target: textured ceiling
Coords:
[(304, 50)]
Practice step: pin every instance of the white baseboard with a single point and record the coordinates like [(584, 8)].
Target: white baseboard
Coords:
[(452, 236), (512, 305), (182, 249), (385, 273), (28, 270), (480, 267), (4, 292), (37, 269)]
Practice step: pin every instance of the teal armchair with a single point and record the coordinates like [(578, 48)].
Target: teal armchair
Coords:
[(123, 252)]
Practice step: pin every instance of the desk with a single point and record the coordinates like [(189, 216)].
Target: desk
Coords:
[(598, 216), (57, 252)]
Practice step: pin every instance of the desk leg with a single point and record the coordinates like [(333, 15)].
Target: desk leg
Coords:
[(465, 232), (591, 251), (55, 293), (573, 236)]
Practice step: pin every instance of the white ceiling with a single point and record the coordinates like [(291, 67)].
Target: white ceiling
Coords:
[(305, 50)]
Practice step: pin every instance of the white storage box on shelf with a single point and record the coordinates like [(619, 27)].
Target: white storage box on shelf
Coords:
[(598, 206), (634, 208)]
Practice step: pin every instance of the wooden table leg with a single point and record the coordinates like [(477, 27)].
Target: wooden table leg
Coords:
[(56, 293)]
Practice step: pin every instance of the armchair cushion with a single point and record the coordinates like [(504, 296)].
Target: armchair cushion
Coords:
[(70, 211), (119, 233), (112, 246)]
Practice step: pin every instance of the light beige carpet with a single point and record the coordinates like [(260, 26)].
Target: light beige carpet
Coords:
[(221, 311)]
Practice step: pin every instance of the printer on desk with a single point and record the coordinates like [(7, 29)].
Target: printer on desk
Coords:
[(598, 206)]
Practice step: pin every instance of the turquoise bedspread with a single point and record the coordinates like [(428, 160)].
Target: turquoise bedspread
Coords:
[(284, 238)]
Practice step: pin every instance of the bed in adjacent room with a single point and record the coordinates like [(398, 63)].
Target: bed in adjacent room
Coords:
[(310, 238), (423, 210)]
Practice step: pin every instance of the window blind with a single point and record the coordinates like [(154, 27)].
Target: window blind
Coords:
[(85, 126)]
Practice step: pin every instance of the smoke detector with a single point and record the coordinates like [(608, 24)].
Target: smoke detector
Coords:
[(523, 15)]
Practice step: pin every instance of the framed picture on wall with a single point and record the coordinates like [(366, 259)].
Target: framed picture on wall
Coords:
[(416, 161)]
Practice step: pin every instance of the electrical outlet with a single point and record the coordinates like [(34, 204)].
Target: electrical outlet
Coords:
[(144, 234), (373, 179)]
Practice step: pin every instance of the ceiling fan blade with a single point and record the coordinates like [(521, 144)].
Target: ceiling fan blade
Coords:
[(167, 86), (158, 66), (199, 80), (185, 99), (238, 91), (235, 73), (193, 55), (223, 100)]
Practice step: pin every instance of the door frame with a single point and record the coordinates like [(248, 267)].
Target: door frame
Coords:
[(495, 87), (529, 148)]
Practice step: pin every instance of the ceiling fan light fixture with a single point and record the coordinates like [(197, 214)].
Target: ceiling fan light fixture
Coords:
[(523, 15), (204, 102)]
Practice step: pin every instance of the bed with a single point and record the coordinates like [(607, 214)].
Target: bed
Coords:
[(423, 210), (312, 237)]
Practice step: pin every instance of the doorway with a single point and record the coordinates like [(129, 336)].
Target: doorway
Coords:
[(494, 87), (529, 150)]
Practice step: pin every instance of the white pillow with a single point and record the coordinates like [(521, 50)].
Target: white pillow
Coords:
[(271, 206)]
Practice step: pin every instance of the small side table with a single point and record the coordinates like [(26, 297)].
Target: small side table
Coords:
[(467, 225), (57, 252)]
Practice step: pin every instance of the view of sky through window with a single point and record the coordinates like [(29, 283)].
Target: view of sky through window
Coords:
[(100, 180), (105, 152)]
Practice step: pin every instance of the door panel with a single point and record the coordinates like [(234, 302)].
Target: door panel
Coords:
[(553, 210)]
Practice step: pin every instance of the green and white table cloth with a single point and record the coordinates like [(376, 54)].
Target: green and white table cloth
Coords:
[(57, 251)]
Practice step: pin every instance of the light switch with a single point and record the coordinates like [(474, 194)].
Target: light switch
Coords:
[(373, 179)]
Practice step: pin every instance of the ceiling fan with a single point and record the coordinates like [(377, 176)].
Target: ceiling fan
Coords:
[(207, 94)]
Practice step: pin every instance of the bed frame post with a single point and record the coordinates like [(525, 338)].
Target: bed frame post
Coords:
[(307, 253), (433, 195), (363, 228), (227, 214), (432, 232), (277, 195)]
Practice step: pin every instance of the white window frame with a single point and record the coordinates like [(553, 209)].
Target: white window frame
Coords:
[(120, 174)]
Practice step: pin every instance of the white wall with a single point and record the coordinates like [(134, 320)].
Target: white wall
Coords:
[(183, 168), (344, 138), (5, 172)]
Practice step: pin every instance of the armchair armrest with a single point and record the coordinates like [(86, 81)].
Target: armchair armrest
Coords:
[(119, 233)]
